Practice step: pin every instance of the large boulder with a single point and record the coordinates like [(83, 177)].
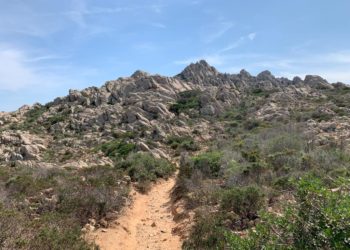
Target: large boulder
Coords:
[(317, 82)]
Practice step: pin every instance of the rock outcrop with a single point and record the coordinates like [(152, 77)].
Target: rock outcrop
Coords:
[(143, 104)]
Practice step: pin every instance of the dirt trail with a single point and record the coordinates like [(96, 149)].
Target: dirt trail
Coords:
[(147, 224)]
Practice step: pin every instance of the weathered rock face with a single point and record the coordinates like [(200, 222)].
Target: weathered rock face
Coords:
[(317, 82), (142, 104), (21, 146), (198, 72)]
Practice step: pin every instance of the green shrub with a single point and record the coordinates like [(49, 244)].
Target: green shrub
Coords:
[(56, 118), (143, 167), (184, 143), (50, 231), (320, 116), (244, 201), (207, 233), (252, 155), (251, 124), (208, 163), (31, 118), (24, 183), (261, 92), (56, 232), (319, 220), (34, 114), (187, 100), (124, 135), (92, 195), (117, 148)]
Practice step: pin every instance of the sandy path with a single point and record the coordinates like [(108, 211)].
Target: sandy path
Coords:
[(147, 224)]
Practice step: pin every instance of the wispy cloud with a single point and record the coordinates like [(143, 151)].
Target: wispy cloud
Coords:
[(21, 70), (221, 56), (239, 42), (252, 36), (44, 58), (215, 32), (17, 71)]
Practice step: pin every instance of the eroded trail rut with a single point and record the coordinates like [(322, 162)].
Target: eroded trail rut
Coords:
[(146, 224)]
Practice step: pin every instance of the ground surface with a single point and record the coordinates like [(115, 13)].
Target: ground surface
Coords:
[(146, 224)]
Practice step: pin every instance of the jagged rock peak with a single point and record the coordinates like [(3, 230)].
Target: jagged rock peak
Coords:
[(139, 74), (317, 82), (245, 73), (198, 71), (265, 75)]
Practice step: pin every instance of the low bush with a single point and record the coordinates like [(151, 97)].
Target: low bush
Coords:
[(318, 220), (251, 124), (34, 114), (51, 231), (55, 232), (97, 191), (187, 100), (144, 168), (207, 233), (117, 148), (25, 183), (208, 163), (244, 201), (56, 118), (182, 143)]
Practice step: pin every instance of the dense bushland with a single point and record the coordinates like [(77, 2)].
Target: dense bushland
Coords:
[(44, 208), (275, 169)]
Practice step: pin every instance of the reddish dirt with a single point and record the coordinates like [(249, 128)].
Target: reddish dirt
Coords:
[(146, 224)]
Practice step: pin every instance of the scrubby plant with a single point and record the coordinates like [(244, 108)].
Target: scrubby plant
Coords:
[(144, 168), (187, 100), (117, 148), (207, 233), (208, 163), (244, 201), (92, 195), (182, 143), (318, 220), (33, 114)]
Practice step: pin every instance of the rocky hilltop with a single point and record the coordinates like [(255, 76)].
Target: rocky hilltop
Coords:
[(144, 104), (234, 138)]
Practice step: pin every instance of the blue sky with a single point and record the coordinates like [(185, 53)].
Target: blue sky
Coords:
[(48, 47)]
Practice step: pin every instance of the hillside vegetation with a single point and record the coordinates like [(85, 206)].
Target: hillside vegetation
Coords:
[(263, 162)]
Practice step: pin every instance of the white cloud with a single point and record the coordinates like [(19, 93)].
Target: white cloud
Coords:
[(14, 73), (19, 70), (232, 46), (220, 57), (215, 32), (44, 58), (252, 36), (27, 79)]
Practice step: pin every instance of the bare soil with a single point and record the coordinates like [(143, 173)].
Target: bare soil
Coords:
[(146, 224)]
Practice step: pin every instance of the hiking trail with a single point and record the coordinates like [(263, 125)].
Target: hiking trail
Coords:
[(146, 224)]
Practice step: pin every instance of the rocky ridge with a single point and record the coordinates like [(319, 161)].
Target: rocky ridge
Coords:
[(142, 104)]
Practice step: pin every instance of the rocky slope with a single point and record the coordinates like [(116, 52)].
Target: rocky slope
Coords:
[(71, 162), (142, 104)]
